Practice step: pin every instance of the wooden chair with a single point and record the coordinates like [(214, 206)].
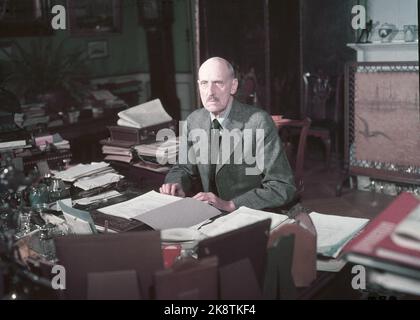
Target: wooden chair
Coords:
[(322, 101), (295, 153)]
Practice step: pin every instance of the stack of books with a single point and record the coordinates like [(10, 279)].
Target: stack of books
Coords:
[(34, 114), (133, 140), (14, 141), (390, 246), (42, 141)]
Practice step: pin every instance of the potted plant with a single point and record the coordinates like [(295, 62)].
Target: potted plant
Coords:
[(48, 73)]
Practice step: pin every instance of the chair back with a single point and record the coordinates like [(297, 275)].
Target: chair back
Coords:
[(287, 131)]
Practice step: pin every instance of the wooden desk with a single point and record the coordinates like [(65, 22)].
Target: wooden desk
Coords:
[(327, 285), (141, 176)]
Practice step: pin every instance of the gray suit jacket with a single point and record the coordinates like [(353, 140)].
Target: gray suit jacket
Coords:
[(272, 187)]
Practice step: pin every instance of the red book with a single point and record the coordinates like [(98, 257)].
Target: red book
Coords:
[(374, 246)]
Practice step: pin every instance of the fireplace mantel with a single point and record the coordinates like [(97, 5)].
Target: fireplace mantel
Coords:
[(390, 51)]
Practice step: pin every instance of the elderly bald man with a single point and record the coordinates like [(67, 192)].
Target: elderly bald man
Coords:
[(231, 183)]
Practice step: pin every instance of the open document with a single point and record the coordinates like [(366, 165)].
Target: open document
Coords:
[(161, 211), (237, 219), (334, 232), (141, 204), (144, 115)]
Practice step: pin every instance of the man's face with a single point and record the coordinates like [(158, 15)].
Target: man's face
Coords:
[(216, 86)]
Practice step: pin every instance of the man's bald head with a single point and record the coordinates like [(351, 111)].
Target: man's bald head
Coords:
[(216, 79), (217, 60)]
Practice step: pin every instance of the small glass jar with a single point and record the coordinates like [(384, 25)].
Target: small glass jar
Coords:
[(24, 222), (56, 190), (39, 196)]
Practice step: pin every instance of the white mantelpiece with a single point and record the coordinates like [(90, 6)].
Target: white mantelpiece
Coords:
[(392, 51)]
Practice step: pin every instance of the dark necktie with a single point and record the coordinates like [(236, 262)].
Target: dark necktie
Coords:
[(214, 154)]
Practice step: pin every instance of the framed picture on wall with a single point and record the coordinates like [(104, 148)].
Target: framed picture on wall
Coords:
[(97, 49), (92, 17)]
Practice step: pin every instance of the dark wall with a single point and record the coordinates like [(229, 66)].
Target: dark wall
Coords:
[(326, 31), (127, 49), (285, 57)]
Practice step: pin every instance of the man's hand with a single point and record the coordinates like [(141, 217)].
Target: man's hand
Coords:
[(173, 189), (213, 200)]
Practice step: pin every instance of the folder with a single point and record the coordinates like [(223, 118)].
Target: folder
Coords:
[(375, 246), (84, 254)]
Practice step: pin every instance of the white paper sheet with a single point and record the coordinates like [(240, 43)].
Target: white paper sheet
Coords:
[(144, 115), (141, 204), (89, 183), (81, 170)]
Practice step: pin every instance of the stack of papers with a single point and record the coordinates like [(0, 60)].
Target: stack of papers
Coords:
[(98, 180), (90, 176), (83, 170), (99, 197), (12, 144), (333, 232), (60, 143), (116, 150), (144, 115), (163, 151)]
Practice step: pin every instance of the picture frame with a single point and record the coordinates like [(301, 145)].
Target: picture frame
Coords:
[(382, 123), (97, 49), (94, 17)]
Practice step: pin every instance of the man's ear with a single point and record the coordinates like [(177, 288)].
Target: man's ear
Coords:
[(234, 86)]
